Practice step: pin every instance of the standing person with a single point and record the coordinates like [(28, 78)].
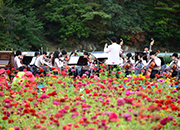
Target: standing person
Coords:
[(155, 68), (174, 66), (113, 51), (18, 61), (55, 60)]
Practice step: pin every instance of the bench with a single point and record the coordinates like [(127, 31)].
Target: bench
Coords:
[(6, 59)]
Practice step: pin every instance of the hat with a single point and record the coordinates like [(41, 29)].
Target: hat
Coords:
[(2, 70), (175, 54), (152, 53), (146, 46)]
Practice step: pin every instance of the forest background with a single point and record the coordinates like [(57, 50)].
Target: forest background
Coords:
[(85, 24)]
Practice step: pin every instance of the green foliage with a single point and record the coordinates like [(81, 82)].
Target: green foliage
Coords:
[(29, 23), (167, 59), (161, 22), (72, 15)]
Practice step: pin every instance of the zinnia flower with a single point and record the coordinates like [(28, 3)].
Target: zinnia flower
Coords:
[(113, 117), (127, 117), (120, 102)]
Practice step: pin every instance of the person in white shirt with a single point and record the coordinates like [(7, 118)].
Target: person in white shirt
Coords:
[(40, 62), (18, 61), (157, 61), (174, 66), (36, 55), (32, 66), (113, 51), (55, 60), (140, 60)]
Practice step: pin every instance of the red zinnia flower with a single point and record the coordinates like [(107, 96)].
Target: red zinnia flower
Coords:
[(88, 91), (41, 121), (10, 121), (41, 69), (5, 118), (30, 99)]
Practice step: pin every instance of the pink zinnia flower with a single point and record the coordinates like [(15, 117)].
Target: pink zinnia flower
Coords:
[(56, 103), (44, 96), (113, 117), (178, 96), (143, 71), (127, 117), (120, 102), (16, 128), (113, 73)]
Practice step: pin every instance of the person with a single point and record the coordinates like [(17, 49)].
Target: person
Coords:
[(113, 51), (146, 50), (64, 58), (129, 63), (85, 68), (49, 58), (140, 63), (154, 65), (32, 66), (63, 55), (55, 60), (40, 62), (174, 66), (73, 54), (18, 61), (36, 55)]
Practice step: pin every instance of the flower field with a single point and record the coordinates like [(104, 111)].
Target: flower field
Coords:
[(104, 102)]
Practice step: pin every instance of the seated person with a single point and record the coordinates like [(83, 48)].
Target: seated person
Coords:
[(140, 63), (18, 61), (174, 66), (85, 67), (64, 57), (36, 55), (155, 69), (129, 63), (49, 58), (55, 60), (41, 63)]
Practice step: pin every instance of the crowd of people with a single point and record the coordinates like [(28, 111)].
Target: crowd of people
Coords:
[(56, 59), (147, 62)]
